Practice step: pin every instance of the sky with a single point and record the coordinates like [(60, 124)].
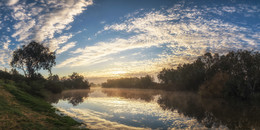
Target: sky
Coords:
[(104, 39)]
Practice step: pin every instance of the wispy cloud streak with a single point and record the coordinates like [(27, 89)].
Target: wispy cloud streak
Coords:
[(43, 20)]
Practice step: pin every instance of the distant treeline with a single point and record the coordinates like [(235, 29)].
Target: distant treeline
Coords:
[(236, 74), (142, 82), (38, 83), (73, 81)]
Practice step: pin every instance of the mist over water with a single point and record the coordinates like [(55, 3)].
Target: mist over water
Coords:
[(101, 108)]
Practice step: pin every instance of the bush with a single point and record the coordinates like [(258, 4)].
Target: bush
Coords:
[(24, 86), (36, 87), (54, 87), (215, 87)]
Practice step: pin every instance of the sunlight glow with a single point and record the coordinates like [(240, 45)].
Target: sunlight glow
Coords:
[(118, 102), (118, 72)]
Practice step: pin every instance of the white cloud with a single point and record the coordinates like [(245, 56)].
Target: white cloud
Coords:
[(5, 52), (66, 47), (138, 53), (57, 20), (186, 31), (54, 43), (22, 27), (5, 40), (5, 57), (229, 9), (12, 2), (102, 22), (5, 46), (43, 21)]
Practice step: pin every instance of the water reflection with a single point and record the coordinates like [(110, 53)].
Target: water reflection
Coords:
[(233, 114), (146, 95), (155, 109), (74, 97)]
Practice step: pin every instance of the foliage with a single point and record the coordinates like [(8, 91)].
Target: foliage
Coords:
[(142, 82), (185, 77), (33, 57), (215, 87), (241, 67), (74, 81), (54, 87), (15, 76), (53, 84)]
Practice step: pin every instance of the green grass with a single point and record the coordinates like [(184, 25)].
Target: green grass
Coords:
[(29, 112), (34, 126), (6, 108), (35, 103)]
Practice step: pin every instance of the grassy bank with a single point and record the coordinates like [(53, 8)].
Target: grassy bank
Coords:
[(20, 110)]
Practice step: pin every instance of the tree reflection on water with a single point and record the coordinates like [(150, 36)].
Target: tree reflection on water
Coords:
[(143, 94), (74, 97), (235, 114), (212, 113)]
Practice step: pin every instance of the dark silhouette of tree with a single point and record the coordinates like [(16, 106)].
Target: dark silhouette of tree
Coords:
[(235, 74), (146, 81), (53, 84), (33, 57), (54, 78), (185, 77), (75, 81), (132, 82)]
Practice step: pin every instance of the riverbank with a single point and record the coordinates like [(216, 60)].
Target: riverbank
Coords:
[(20, 110)]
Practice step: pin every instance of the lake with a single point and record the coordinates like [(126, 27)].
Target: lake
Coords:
[(114, 108)]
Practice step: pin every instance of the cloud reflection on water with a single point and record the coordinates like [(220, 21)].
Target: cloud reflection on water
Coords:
[(115, 112), (94, 119), (156, 109)]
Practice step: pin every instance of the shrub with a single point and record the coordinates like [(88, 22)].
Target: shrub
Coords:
[(24, 86), (36, 87), (215, 87), (54, 87)]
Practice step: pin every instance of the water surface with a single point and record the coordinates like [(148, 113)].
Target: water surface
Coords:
[(101, 108)]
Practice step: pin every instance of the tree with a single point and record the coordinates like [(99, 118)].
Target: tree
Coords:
[(146, 81), (55, 78), (76, 81), (33, 57)]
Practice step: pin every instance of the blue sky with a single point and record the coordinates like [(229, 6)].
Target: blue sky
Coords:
[(120, 38)]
